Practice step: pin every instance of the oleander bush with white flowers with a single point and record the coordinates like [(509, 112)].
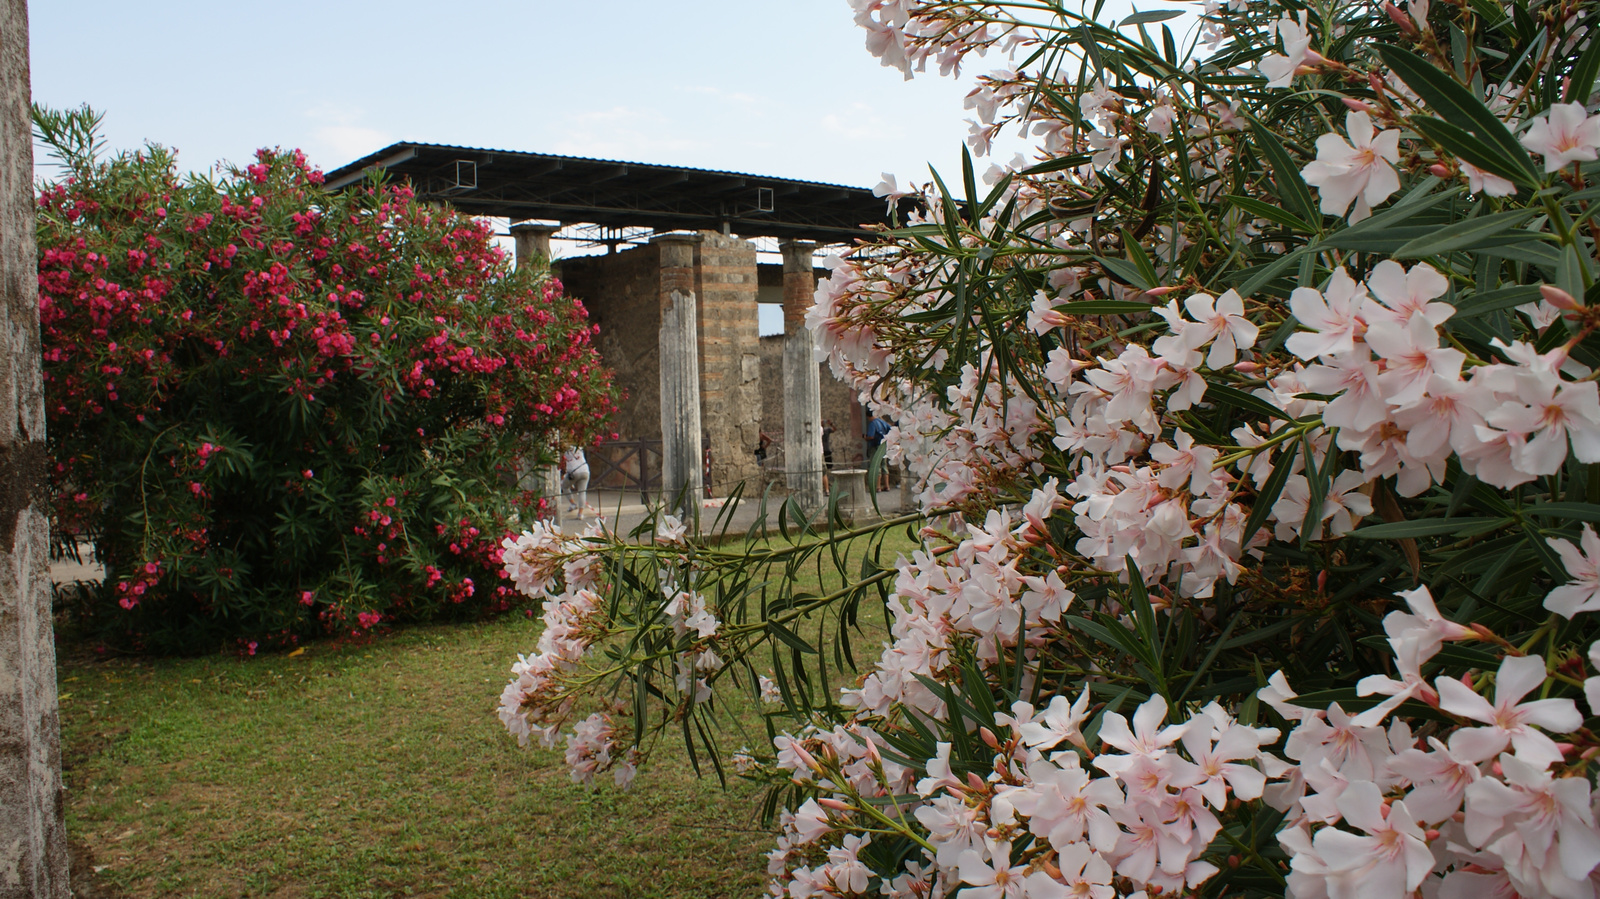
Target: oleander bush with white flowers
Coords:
[(1255, 423)]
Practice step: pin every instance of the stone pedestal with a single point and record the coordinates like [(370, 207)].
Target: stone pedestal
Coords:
[(802, 390), (681, 480), (855, 501), (533, 243)]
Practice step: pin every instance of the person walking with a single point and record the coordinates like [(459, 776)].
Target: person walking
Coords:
[(877, 429), (827, 452), (575, 481)]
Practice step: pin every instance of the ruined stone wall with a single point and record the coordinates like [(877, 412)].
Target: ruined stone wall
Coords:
[(730, 364), (838, 405), (622, 292)]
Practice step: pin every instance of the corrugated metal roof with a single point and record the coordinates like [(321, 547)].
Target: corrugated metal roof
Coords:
[(577, 189)]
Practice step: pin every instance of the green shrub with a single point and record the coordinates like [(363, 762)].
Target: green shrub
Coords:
[(278, 411)]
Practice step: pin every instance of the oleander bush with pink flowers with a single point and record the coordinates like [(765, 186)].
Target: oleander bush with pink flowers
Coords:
[(1254, 418), (277, 411)]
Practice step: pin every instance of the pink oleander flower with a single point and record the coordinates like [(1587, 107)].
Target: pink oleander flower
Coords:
[(1334, 317), (1509, 722), (1408, 294), (1390, 859), (1060, 721), (1542, 826), (1480, 181), (1221, 323), (1296, 48), (1360, 169), (1568, 134), (1087, 876), (998, 879), (1582, 593)]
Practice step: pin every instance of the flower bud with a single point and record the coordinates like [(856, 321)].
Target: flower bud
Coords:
[(1559, 298), (805, 757), (989, 739), (1355, 105), (1407, 27), (834, 804), (1439, 171)]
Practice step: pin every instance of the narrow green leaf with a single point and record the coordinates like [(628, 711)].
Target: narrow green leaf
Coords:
[(1103, 307), (1474, 304), (1269, 493), (1139, 257), (1270, 212), (1287, 175), (1233, 396), (1459, 106), (790, 637), (1261, 276), (1317, 482), (1468, 146), (1568, 511), (1542, 550), (1145, 18), (1057, 164), (1584, 72), (1533, 253), (1461, 234), (1428, 527), (1123, 270), (1376, 240)]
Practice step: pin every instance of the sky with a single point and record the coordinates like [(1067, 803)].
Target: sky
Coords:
[(768, 87), (771, 87)]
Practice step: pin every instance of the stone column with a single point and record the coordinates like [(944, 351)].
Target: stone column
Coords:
[(680, 376), (533, 248), (802, 389), (533, 242), (33, 838)]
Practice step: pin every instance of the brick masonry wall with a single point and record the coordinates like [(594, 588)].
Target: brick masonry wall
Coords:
[(622, 292), (730, 362)]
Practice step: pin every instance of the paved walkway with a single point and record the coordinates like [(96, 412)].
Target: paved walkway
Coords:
[(622, 513)]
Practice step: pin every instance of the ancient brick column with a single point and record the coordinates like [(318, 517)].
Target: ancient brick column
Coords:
[(680, 376), (33, 838), (802, 389)]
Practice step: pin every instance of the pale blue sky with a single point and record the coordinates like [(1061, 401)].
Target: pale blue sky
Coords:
[(768, 87)]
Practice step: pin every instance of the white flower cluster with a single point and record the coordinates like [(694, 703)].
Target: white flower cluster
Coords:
[(974, 590), (536, 702), (1490, 808)]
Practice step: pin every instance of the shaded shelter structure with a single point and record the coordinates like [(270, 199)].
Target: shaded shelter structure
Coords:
[(676, 296)]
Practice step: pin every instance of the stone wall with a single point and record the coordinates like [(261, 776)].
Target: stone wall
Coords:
[(838, 405), (622, 292), (730, 362)]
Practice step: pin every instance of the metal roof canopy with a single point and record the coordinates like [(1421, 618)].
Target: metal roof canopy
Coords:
[(574, 189)]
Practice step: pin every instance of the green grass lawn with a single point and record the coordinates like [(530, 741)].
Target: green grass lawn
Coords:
[(376, 770)]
